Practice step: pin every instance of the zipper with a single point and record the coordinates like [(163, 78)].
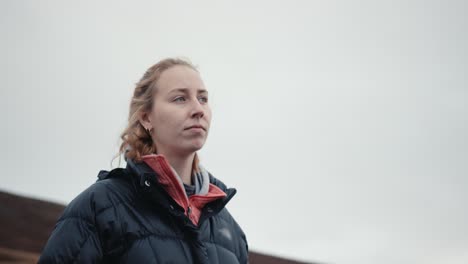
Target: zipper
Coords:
[(189, 210)]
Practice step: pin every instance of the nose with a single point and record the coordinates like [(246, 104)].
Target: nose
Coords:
[(198, 111)]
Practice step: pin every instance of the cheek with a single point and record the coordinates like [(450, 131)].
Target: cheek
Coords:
[(165, 121), (208, 115)]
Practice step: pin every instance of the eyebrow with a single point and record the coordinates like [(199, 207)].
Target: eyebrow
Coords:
[(185, 90)]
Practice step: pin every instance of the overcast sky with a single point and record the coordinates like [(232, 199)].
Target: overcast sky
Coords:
[(343, 124)]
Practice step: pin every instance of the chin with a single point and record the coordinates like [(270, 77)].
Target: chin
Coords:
[(197, 147), (194, 147)]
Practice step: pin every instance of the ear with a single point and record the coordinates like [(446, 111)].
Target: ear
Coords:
[(145, 120)]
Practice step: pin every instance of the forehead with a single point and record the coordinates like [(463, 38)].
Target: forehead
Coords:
[(179, 76)]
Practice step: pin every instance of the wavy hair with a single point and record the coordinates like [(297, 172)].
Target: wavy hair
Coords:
[(136, 141)]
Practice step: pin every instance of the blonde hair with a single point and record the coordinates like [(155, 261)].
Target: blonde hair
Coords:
[(136, 141)]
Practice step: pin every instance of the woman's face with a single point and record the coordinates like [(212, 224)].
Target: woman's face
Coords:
[(180, 102)]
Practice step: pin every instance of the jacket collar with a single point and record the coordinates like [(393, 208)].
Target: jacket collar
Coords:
[(173, 185), (141, 171), (146, 178)]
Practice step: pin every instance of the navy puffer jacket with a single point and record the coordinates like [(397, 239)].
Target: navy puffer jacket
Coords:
[(127, 217)]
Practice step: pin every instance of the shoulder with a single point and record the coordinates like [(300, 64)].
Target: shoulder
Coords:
[(229, 219), (105, 193), (76, 237), (236, 239)]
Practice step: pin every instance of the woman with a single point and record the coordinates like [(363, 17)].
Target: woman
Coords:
[(164, 207)]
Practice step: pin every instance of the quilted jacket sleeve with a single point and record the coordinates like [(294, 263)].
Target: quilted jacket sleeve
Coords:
[(75, 238), (243, 245)]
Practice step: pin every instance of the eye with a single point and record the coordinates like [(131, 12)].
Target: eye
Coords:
[(203, 99), (179, 99)]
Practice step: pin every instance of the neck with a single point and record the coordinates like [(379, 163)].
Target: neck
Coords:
[(182, 164)]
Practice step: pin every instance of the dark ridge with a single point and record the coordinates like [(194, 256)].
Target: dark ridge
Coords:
[(26, 223)]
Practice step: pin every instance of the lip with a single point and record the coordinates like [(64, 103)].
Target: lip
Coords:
[(196, 127)]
